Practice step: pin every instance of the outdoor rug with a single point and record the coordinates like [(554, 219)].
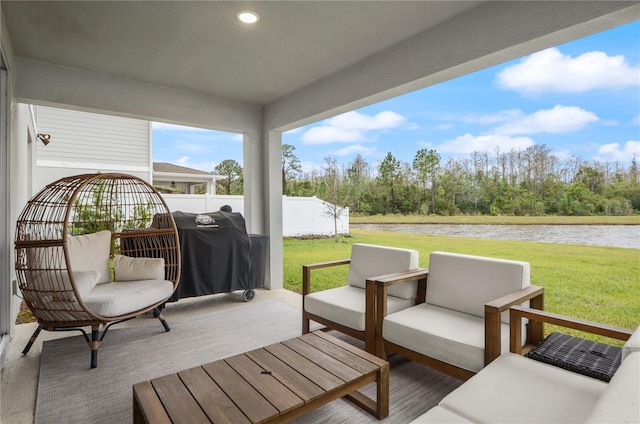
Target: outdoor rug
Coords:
[(70, 392)]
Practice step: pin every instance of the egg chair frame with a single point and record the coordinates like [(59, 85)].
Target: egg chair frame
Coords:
[(141, 226)]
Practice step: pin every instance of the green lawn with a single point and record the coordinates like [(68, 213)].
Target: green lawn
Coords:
[(594, 283)]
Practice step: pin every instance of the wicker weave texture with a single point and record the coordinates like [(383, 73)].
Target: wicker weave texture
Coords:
[(137, 216)]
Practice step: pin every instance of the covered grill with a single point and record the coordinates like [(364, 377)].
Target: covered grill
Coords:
[(218, 256)]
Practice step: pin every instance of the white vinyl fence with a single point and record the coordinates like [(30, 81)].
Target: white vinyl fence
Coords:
[(300, 215)]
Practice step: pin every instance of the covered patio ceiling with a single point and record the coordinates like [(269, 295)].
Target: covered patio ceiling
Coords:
[(302, 61)]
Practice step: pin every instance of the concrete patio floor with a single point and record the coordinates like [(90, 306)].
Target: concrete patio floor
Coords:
[(20, 373)]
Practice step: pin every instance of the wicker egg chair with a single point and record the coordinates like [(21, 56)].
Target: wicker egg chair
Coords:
[(96, 249)]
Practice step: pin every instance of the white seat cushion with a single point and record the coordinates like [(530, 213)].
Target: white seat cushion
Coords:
[(115, 299), (620, 403), (449, 336), (368, 260), (465, 283), (439, 415), (346, 305), (515, 389)]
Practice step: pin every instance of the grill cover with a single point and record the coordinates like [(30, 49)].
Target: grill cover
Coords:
[(215, 251)]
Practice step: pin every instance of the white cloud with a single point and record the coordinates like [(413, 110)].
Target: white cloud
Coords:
[(201, 165), (494, 118), (551, 71), (616, 152), (352, 127), (326, 134), (469, 143), (636, 120), (559, 119), (355, 149)]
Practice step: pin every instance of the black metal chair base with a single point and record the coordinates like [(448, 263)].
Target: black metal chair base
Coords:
[(95, 339)]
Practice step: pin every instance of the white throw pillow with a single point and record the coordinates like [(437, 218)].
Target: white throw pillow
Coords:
[(59, 283), (90, 252), (126, 268)]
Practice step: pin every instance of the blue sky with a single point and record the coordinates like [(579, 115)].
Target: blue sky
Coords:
[(579, 99)]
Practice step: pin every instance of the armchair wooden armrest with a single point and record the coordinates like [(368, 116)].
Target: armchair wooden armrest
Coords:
[(517, 313), (306, 285), (493, 310), (306, 272), (376, 303)]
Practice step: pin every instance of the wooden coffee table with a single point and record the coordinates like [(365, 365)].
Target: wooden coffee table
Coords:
[(274, 384)]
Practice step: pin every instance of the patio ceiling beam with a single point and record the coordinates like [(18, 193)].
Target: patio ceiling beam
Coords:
[(46, 84), (489, 34)]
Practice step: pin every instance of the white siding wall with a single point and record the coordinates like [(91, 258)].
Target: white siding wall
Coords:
[(83, 142)]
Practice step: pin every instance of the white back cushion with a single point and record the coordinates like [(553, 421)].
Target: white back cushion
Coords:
[(465, 283), (126, 268), (368, 260), (90, 252)]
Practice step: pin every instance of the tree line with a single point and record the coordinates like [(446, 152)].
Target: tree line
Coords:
[(516, 182)]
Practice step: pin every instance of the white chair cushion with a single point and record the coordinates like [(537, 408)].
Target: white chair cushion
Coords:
[(620, 403), (90, 252), (449, 336), (115, 299), (439, 415), (346, 305), (59, 284), (631, 345), (515, 389), (465, 283), (369, 260), (126, 268)]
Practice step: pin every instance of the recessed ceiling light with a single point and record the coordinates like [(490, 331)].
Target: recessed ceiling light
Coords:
[(248, 17)]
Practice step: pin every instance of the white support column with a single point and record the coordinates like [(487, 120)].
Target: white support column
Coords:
[(272, 184), (263, 197), (252, 172)]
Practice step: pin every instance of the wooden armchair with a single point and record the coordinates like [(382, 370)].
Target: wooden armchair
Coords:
[(460, 321), (344, 308)]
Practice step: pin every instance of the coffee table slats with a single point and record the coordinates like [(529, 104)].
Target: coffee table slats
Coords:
[(146, 405), (354, 361), (213, 401), (337, 368), (306, 389), (250, 402), (266, 384), (351, 348), (177, 401), (318, 375)]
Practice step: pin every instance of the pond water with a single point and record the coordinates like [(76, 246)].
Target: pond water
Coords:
[(596, 235)]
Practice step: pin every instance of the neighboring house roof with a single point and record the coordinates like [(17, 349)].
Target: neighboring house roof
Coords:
[(182, 173), (176, 169), (167, 171), (165, 175)]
